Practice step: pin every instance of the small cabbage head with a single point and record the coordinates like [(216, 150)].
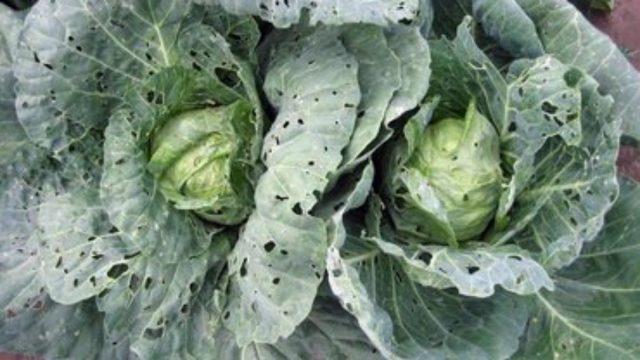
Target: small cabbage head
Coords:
[(460, 160), (197, 158)]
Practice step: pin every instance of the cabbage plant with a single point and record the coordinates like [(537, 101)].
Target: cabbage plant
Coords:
[(312, 179)]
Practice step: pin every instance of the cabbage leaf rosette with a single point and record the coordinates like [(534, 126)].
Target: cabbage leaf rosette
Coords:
[(148, 127), (486, 194)]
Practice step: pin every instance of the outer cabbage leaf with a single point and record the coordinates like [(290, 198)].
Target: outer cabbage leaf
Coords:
[(76, 58), (12, 136), (570, 37), (406, 320), (474, 271), (505, 20), (402, 57), (593, 314), (287, 12), (567, 35), (371, 48), (329, 332), (30, 322), (281, 250), (143, 297)]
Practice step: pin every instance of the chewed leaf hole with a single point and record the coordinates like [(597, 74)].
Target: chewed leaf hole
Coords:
[(116, 270), (268, 247), (134, 282), (276, 281), (573, 77), (549, 107), (193, 287), (227, 77), (472, 269), (425, 257), (243, 268), (297, 209), (153, 334)]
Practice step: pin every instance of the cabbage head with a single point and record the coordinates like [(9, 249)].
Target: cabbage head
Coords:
[(460, 160), (194, 156)]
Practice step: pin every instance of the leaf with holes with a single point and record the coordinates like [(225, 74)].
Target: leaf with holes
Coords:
[(404, 319), (284, 13), (593, 313), (281, 249)]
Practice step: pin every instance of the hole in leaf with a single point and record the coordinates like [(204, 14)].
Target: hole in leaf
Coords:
[(227, 77), (297, 209), (268, 247), (572, 77), (425, 257), (153, 334), (134, 282), (472, 269), (193, 287), (549, 107), (243, 268), (116, 270)]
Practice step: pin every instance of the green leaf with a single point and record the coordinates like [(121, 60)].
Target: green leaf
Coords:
[(563, 208), (329, 332), (571, 38), (403, 319), (403, 84), (474, 271), (505, 20), (30, 322), (77, 58), (593, 314), (286, 13), (58, 331), (379, 77), (12, 136), (281, 250), (415, 59)]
